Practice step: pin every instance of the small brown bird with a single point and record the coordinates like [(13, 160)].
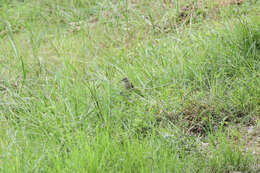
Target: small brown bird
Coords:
[(128, 84), (130, 87)]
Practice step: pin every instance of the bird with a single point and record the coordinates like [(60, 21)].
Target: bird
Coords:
[(128, 84), (130, 87)]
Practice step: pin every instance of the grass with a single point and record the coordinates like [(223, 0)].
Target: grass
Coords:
[(197, 65)]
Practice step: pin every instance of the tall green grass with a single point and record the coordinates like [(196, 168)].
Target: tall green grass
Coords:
[(61, 102)]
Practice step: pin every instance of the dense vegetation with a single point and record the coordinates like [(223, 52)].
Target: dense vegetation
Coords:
[(63, 106)]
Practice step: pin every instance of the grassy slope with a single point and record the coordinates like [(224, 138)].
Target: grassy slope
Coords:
[(61, 64)]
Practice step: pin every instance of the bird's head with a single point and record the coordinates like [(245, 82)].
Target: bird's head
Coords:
[(125, 79)]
